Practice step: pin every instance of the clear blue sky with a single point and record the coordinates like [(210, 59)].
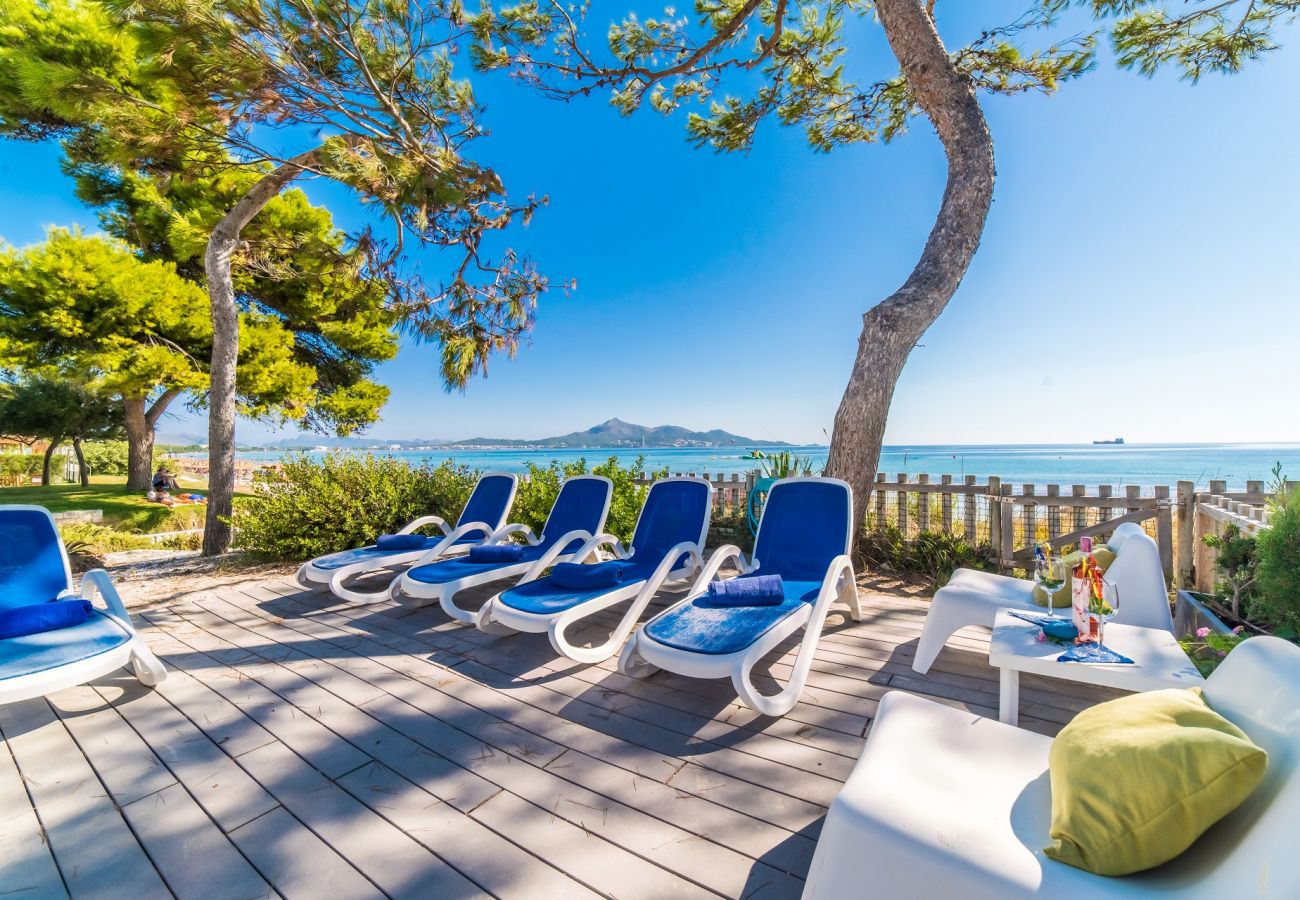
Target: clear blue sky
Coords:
[(1138, 275)]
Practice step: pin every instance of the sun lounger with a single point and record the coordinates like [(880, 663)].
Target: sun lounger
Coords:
[(667, 546), (484, 513), (804, 538)]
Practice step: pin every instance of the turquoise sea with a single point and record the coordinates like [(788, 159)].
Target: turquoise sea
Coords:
[(1089, 464)]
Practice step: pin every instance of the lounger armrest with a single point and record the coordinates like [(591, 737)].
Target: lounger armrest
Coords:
[(547, 559), (428, 520), (716, 559), (447, 542), (96, 581), (498, 537), (602, 540)]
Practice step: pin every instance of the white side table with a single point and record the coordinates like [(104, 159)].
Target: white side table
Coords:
[(1158, 661)]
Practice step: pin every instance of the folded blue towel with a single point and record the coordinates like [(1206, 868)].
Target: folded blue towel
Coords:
[(577, 577), (399, 542), (747, 590), (496, 553), (1093, 653), (40, 617)]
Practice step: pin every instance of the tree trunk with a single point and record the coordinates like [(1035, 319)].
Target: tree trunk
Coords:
[(82, 474), (225, 348), (891, 329), (45, 467), (139, 445)]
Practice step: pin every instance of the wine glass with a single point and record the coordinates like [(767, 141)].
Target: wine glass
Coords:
[(1050, 575), (1109, 607)]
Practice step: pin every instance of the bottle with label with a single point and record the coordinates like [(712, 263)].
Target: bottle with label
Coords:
[(1081, 592)]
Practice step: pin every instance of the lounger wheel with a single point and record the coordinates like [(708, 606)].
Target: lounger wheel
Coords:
[(146, 667), (634, 664)]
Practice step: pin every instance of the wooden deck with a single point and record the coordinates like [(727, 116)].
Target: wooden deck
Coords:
[(306, 748)]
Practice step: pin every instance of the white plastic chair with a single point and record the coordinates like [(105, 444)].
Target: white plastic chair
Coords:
[(973, 598), (34, 569), (944, 803), (485, 511)]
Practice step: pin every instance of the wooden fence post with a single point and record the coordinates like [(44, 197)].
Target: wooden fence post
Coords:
[(1186, 532), (945, 505), (968, 510), (902, 504), (1030, 516), (1007, 511), (994, 491), (923, 505), (1165, 530), (1053, 512), (1079, 513), (880, 501)]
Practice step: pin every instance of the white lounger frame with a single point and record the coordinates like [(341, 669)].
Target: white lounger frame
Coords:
[(144, 665), (496, 617), (310, 576), (643, 655), (409, 592)]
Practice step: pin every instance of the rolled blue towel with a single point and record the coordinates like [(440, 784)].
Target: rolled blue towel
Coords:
[(41, 617), (578, 577), (399, 542), (747, 590), (496, 553)]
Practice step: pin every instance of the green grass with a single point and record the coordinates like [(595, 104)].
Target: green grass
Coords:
[(124, 510)]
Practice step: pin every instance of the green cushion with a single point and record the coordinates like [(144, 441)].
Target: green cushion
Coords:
[(1061, 598), (1136, 780)]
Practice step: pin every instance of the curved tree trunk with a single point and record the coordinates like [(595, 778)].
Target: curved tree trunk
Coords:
[(82, 475), (141, 431), (225, 348), (45, 466), (892, 328)]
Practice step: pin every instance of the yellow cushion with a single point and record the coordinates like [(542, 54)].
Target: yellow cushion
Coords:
[(1061, 597), (1136, 780)]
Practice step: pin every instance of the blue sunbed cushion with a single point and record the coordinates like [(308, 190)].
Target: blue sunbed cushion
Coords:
[(51, 649), (700, 627), (747, 590), (579, 577), (37, 617), (449, 570), (31, 563), (496, 553), (399, 542)]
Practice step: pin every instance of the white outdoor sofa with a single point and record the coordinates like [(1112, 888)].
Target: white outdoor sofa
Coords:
[(944, 803), (973, 598)]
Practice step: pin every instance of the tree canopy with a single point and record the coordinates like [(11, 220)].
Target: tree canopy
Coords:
[(58, 410)]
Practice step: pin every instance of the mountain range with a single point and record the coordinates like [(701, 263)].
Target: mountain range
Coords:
[(613, 433)]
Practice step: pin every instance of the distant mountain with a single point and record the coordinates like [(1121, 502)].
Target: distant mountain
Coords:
[(617, 433)]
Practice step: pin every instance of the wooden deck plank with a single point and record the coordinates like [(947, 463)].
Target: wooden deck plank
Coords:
[(398, 865), (226, 793), (95, 849), (298, 864), (192, 854), (27, 867)]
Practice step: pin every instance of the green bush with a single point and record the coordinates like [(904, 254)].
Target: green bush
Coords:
[(101, 539), (311, 507), (105, 457), (1277, 567), (934, 554), (539, 488), (20, 463)]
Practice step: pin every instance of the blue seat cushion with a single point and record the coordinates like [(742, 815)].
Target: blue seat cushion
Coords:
[(51, 649), (700, 628), (373, 554), (545, 597), (449, 570)]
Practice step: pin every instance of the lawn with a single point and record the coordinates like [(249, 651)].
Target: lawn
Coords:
[(123, 509)]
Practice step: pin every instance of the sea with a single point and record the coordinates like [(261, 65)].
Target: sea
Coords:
[(1066, 464)]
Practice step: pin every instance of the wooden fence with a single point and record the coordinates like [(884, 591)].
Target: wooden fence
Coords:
[(1011, 518)]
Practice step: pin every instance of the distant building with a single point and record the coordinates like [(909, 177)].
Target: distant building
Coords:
[(22, 446)]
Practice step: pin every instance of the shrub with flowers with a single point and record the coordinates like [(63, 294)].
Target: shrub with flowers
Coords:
[(1208, 648)]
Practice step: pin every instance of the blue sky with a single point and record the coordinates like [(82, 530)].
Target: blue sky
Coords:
[(1137, 276)]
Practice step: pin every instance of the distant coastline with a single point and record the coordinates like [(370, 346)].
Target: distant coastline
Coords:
[(1017, 464)]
